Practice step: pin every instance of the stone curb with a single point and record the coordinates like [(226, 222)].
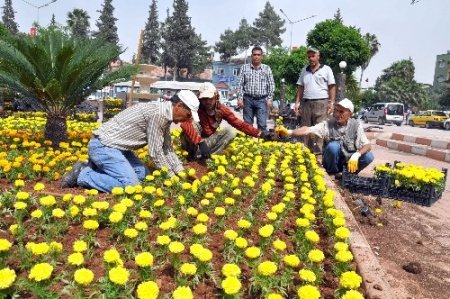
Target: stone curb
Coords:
[(374, 278), (440, 144), (418, 146)]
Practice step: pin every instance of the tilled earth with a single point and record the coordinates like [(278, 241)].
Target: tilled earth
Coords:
[(412, 245)]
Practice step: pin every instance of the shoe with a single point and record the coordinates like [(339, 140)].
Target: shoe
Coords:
[(69, 180), (338, 176)]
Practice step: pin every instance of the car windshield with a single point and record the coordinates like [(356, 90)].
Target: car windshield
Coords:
[(395, 109)]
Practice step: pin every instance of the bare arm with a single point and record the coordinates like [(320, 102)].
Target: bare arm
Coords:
[(365, 149), (301, 131), (298, 98)]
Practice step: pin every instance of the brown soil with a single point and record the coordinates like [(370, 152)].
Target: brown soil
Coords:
[(412, 245)]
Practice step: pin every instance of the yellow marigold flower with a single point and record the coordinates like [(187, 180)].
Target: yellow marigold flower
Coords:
[(40, 272), (117, 191), (74, 210), (204, 255), (13, 228), (67, 197), (200, 229), (130, 233), (229, 201), (20, 205), (188, 268), (90, 224), (79, 246), (291, 260), (111, 256), (230, 234), (342, 233), (237, 192), (19, 183), (119, 275), (191, 172), (5, 245), (350, 280), (231, 285), (144, 259), (307, 275), (138, 197), (176, 247), (58, 213), (159, 203), (56, 246), (191, 211), (344, 256), (242, 223), (312, 236), (202, 217), (302, 222), (89, 212), (79, 199), (127, 202), (338, 246), (7, 278), (130, 190), (352, 294), (338, 221), (253, 252), (231, 270), (142, 226), (39, 187), (120, 207), (83, 276), (274, 296), (272, 216), (182, 293), (266, 231), (267, 268), (163, 240), (219, 211), (22, 195), (241, 242), (308, 292), (38, 249), (147, 290), (279, 245), (316, 255), (115, 217), (145, 214), (75, 259)]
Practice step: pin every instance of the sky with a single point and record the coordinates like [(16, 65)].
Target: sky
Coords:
[(419, 31)]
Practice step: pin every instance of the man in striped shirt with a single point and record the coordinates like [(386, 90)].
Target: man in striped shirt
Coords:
[(202, 139), (112, 161), (255, 90)]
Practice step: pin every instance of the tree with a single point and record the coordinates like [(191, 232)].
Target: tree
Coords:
[(201, 56), (106, 24), (397, 84), (152, 37), (374, 46), (338, 16), (53, 21), (58, 72), (338, 42), (8, 17), (269, 27), (78, 23), (227, 45)]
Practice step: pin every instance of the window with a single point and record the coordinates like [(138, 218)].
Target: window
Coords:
[(442, 64), (236, 71), (221, 71)]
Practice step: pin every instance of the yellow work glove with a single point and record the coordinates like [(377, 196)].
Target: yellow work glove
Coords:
[(282, 131), (352, 164)]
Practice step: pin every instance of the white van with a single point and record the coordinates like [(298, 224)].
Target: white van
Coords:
[(385, 113)]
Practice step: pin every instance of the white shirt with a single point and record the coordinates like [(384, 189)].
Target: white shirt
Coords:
[(315, 85)]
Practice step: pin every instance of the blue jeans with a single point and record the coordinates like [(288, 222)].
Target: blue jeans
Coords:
[(113, 168), (333, 159), (256, 107)]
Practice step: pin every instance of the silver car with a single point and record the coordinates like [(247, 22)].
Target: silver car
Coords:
[(385, 113)]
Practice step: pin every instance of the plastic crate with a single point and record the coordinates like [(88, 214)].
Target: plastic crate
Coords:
[(366, 185)]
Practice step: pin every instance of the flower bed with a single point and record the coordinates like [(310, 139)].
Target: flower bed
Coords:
[(259, 223)]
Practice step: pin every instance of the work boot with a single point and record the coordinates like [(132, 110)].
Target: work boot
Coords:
[(69, 180)]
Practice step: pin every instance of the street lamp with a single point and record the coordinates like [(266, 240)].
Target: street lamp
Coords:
[(38, 7), (292, 24), (341, 78)]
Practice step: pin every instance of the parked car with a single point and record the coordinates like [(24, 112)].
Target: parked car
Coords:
[(428, 118), (385, 113), (447, 124)]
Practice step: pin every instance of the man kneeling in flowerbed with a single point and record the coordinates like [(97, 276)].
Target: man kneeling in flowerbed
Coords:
[(345, 140)]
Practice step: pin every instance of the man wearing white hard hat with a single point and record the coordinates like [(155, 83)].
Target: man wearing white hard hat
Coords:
[(346, 142), (201, 139), (112, 162)]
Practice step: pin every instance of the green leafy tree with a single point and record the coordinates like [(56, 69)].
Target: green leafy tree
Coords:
[(53, 21), (57, 72), (201, 56), (268, 27), (338, 16), (106, 24), (8, 17), (152, 37), (374, 47), (227, 45), (78, 23), (397, 84), (338, 42)]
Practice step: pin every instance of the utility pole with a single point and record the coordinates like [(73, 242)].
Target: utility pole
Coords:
[(38, 7), (136, 63), (292, 25)]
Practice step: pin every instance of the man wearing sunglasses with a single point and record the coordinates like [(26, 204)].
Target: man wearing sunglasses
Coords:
[(112, 162), (346, 142)]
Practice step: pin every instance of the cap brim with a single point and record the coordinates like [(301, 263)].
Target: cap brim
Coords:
[(206, 95), (195, 116)]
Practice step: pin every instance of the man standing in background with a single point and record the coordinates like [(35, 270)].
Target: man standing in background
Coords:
[(315, 98), (255, 90)]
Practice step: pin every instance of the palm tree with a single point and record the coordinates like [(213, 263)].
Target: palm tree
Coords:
[(58, 72), (78, 23), (374, 47)]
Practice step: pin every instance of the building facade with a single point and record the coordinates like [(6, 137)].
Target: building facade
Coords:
[(442, 71), (225, 77)]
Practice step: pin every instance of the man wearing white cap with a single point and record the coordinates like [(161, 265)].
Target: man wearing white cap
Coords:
[(345, 140), (201, 139), (112, 162)]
